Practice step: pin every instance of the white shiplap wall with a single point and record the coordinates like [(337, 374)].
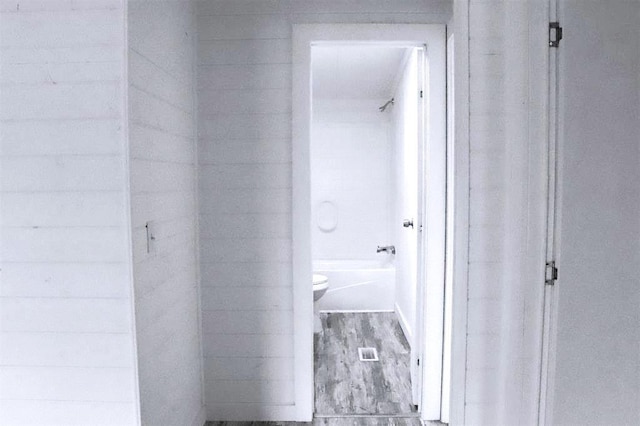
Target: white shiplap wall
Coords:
[(66, 329), (244, 92), (507, 119), (161, 77)]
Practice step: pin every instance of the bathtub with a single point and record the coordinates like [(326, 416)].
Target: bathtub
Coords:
[(357, 285)]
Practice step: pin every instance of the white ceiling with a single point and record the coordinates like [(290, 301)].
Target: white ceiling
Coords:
[(355, 72)]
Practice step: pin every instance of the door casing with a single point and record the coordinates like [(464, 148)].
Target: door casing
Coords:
[(406, 35)]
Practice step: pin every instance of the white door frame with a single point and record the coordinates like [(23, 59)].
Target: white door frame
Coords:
[(550, 299), (460, 279), (390, 34)]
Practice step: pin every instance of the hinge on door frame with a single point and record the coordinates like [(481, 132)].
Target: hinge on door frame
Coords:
[(550, 273), (554, 27), (421, 94)]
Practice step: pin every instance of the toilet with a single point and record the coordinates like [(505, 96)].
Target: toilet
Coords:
[(320, 286)]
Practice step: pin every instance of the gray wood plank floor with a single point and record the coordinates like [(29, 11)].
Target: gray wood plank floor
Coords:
[(343, 421), (346, 385)]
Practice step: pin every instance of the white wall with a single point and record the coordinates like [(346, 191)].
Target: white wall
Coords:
[(405, 192), (66, 328), (162, 139), (507, 141), (597, 368), (245, 157), (351, 169)]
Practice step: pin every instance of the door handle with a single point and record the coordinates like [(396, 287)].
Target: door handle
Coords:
[(407, 223)]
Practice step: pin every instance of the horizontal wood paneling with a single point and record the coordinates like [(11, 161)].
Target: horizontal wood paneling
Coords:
[(43, 349), (244, 79), (66, 351), (69, 413), (162, 138), (268, 392)]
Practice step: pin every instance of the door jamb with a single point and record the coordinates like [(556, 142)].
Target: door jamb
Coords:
[(457, 398), (303, 36), (554, 210)]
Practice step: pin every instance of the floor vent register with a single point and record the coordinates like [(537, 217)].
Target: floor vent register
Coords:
[(368, 354)]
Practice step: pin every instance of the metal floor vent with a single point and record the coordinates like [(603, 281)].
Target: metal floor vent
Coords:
[(368, 354)]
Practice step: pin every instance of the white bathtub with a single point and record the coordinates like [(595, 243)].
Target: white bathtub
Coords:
[(357, 285)]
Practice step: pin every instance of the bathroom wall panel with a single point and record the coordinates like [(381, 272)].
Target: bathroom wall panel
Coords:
[(66, 339), (250, 49), (162, 137), (351, 168)]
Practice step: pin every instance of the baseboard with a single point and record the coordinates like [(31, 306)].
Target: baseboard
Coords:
[(200, 418), (404, 324), (353, 311), (248, 412)]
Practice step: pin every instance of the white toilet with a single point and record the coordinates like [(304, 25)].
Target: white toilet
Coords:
[(320, 286)]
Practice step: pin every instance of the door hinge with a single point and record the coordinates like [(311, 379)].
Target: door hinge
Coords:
[(550, 273), (418, 360), (555, 34), (421, 94)]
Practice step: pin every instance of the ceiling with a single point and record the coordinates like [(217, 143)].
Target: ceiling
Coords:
[(355, 72)]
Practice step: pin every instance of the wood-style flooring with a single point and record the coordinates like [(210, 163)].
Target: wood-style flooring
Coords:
[(334, 421), (345, 385), (349, 392)]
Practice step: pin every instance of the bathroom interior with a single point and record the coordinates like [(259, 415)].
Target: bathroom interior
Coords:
[(364, 201)]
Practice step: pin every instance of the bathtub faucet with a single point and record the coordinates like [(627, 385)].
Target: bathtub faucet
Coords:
[(388, 249)]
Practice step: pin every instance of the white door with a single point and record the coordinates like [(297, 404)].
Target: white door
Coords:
[(407, 110), (448, 301), (594, 348), (419, 224), (423, 110), (409, 223)]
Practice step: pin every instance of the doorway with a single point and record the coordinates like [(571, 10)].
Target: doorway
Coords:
[(424, 230)]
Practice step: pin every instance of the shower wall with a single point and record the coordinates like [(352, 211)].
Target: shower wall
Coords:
[(350, 179)]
